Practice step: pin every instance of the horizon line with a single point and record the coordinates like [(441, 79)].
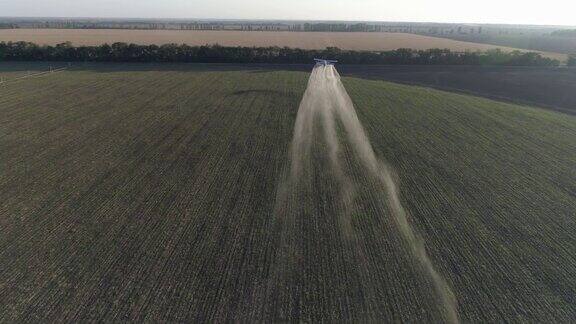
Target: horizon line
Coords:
[(289, 20)]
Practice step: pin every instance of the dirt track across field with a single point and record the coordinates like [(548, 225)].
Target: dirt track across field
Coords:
[(305, 40)]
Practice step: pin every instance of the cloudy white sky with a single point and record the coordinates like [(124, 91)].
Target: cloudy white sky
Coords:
[(550, 12)]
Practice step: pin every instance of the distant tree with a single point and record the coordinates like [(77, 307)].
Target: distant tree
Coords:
[(65, 51), (3, 50), (571, 60)]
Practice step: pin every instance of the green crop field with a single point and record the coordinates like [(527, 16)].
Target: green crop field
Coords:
[(22, 70), (142, 193)]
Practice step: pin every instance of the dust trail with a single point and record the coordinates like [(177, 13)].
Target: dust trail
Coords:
[(316, 103), (326, 99)]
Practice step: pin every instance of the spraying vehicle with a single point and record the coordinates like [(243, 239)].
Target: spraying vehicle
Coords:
[(325, 62)]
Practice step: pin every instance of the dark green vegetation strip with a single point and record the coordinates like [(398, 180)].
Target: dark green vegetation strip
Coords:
[(149, 195), (173, 53)]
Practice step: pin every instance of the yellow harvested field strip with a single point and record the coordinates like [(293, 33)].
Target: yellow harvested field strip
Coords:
[(305, 40)]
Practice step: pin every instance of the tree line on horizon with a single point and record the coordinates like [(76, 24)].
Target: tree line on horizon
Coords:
[(174, 53)]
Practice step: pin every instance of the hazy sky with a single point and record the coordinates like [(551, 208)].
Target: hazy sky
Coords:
[(550, 12)]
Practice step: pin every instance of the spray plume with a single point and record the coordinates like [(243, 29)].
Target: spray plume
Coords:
[(326, 100)]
